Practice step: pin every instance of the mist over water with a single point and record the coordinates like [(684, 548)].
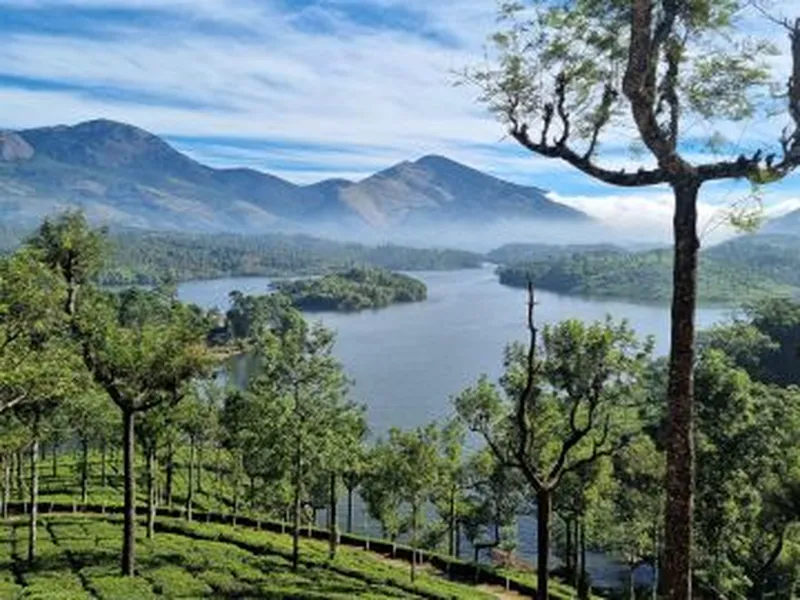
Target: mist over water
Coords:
[(483, 236)]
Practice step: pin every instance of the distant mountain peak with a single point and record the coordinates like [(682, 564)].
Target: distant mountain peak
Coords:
[(13, 148), (128, 175)]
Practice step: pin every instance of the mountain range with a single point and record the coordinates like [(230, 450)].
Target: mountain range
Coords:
[(122, 175)]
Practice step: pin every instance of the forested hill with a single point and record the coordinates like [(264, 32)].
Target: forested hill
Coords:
[(741, 269), (144, 258)]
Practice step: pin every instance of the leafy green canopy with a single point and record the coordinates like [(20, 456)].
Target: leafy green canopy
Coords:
[(570, 76)]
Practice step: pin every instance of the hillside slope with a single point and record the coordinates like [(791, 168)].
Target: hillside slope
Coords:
[(121, 174)]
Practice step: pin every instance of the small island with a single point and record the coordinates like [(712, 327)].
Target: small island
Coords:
[(356, 289)]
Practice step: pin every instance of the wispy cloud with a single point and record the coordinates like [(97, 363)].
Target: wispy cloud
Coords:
[(305, 89)]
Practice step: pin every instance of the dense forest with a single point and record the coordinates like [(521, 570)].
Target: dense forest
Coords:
[(355, 289), (744, 268), (146, 258), (111, 401)]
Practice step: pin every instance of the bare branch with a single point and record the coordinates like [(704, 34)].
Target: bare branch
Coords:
[(561, 98), (14, 402), (641, 178), (577, 434), (602, 118)]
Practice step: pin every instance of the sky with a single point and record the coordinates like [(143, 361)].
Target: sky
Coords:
[(309, 89)]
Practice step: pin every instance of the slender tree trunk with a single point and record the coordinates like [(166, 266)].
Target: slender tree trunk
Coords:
[(84, 471), (103, 465), (20, 485), (568, 567), (297, 507), (199, 469), (34, 491), (218, 464), (6, 485), (451, 524), (544, 509), (235, 496), (170, 470), (583, 589), (656, 550), (129, 528), (55, 459), (631, 586), (458, 539), (680, 443), (349, 509), (334, 519), (190, 483), (151, 491), (414, 519)]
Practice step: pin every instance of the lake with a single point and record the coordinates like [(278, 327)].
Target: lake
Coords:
[(407, 361)]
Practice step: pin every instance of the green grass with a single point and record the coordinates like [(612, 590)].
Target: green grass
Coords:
[(198, 559), (78, 558)]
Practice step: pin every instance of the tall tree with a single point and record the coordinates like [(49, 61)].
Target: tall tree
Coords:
[(140, 347), (304, 419), (560, 410), (416, 462), (568, 75)]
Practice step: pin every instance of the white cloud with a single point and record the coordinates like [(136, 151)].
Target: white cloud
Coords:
[(371, 96)]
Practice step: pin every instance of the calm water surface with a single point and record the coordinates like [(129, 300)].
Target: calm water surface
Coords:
[(408, 361)]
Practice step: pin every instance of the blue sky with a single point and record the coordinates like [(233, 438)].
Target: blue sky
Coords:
[(304, 89)]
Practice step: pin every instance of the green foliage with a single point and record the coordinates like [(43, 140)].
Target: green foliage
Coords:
[(353, 290), (641, 276), (145, 258), (764, 340)]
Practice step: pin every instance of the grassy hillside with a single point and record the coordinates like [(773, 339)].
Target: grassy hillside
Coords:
[(78, 554)]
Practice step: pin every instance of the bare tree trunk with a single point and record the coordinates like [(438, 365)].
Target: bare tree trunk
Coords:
[(55, 459), (235, 496), (297, 507), (103, 465), (199, 469), (414, 519), (544, 509), (190, 483), (680, 443), (34, 491), (129, 528), (568, 550), (20, 485), (170, 470), (656, 550), (458, 539), (584, 591), (451, 524), (334, 518), (84, 471), (349, 509), (631, 586), (151, 492), (6, 485)]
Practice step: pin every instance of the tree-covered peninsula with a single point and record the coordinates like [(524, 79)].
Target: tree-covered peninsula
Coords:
[(644, 276), (352, 290)]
